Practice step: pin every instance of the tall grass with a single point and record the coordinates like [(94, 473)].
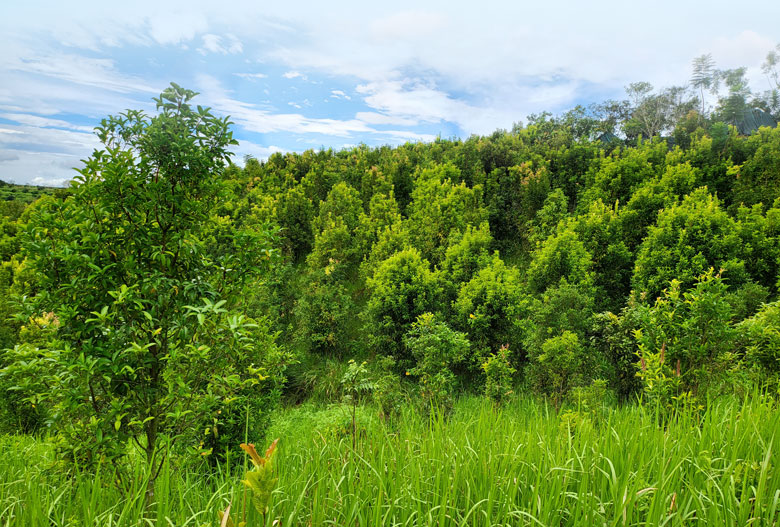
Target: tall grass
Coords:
[(522, 464)]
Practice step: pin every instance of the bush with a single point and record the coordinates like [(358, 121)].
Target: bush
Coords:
[(558, 367), (692, 327), (492, 308), (403, 287), (760, 338), (498, 375), (435, 348)]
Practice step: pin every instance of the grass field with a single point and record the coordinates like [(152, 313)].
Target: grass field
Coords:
[(523, 464)]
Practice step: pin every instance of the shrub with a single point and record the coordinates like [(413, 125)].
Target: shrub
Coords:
[(760, 337), (498, 375), (403, 287), (435, 348), (557, 367), (687, 335)]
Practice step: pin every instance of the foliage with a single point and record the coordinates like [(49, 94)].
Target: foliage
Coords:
[(498, 374), (561, 257), (558, 366), (688, 239), (356, 383), (402, 288), (760, 337), (337, 248), (324, 316), (440, 207), (467, 254), (145, 281), (491, 309), (686, 335), (388, 392), (260, 481), (436, 349)]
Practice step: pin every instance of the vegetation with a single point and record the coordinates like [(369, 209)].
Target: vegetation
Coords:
[(518, 464), (607, 278)]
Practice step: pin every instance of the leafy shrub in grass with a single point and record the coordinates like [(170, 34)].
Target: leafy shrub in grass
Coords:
[(435, 348), (686, 339), (760, 336), (498, 375), (557, 367)]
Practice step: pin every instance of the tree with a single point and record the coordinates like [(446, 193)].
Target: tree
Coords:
[(492, 308), (558, 366), (770, 69), (561, 256), (146, 284), (467, 254), (688, 239), (733, 105), (687, 335), (655, 113), (436, 349), (439, 208), (337, 245), (402, 288), (704, 77)]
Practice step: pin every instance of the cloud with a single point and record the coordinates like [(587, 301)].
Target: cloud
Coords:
[(461, 67), (44, 122), (8, 156), (251, 76), (338, 94), (255, 119), (38, 168), (294, 75), (216, 44), (383, 119), (248, 148)]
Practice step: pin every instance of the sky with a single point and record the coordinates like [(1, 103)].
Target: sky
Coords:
[(299, 75)]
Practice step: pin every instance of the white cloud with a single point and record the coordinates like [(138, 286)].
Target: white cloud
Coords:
[(338, 94), (478, 65), (294, 75), (44, 122), (248, 148), (230, 45), (251, 76), (383, 119)]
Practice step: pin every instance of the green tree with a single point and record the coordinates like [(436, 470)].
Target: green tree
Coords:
[(491, 308), (558, 366), (150, 341), (688, 239), (402, 288), (703, 77), (688, 334), (441, 207), (561, 256), (759, 336), (468, 253), (436, 349), (337, 240)]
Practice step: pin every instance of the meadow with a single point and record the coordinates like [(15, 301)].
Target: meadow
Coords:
[(518, 464)]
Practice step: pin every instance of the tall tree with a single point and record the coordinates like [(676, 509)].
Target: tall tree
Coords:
[(145, 282), (704, 77)]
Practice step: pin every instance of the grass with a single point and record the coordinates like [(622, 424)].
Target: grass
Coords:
[(518, 465)]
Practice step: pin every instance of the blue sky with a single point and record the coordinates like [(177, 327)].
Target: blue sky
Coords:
[(298, 75)]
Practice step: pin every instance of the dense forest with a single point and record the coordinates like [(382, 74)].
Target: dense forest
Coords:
[(615, 267)]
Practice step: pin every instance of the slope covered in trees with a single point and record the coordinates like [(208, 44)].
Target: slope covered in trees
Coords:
[(627, 251)]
